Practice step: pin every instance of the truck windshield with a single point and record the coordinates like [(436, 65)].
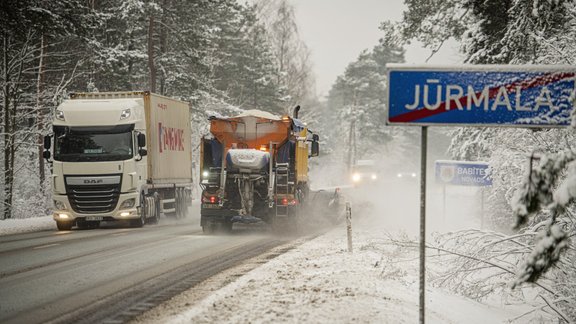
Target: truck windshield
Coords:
[(86, 144)]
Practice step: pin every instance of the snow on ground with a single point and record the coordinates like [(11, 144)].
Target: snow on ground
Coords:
[(321, 282), (36, 224)]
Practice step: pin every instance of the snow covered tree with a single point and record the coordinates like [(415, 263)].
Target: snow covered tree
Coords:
[(293, 66), (356, 101), (248, 73), (32, 36)]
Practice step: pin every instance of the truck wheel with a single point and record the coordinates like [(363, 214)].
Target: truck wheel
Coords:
[(183, 204), (208, 228), (285, 226), (64, 226), (139, 222), (180, 203), (152, 213), (226, 226)]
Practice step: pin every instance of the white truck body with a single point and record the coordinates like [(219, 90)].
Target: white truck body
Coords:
[(100, 173)]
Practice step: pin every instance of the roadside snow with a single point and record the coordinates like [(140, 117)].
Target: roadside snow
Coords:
[(320, 282), (25, 225)]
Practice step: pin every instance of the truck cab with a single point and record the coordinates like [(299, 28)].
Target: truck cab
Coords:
[(98, 161)]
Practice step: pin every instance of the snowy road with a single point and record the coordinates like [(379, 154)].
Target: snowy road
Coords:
[(114, 273)]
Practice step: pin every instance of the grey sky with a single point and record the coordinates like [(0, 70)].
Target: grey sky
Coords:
[(336, 31)]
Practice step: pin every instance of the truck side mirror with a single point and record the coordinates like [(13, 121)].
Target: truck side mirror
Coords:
[(46, 155), (142, 152), (47, 142), (141, 140), (315, 146)]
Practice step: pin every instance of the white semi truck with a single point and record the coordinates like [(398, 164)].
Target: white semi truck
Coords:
[(119, 156)]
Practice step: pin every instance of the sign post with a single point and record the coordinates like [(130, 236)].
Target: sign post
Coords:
[(476, 95), (423, 154)]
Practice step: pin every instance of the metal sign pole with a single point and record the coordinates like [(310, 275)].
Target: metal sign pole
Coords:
[(482, 208), (444, 205), (423, 146)]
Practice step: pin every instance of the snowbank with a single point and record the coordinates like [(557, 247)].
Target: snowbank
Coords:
[(35, 224), (320, 282)]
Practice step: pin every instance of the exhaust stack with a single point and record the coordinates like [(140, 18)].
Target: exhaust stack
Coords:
[(296, 110)]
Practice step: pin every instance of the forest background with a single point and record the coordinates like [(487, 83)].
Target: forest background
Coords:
[(223, 56)]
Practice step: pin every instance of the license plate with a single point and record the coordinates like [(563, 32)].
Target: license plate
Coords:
[(94, 218), (210, 206)]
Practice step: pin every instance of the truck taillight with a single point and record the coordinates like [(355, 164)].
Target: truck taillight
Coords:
[(287, 202), (210, 199)]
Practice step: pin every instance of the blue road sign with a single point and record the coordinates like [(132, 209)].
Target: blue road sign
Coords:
[(476, 95), (462, 173)]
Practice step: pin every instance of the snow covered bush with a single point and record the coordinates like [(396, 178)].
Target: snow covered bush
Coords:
[(485, 263)]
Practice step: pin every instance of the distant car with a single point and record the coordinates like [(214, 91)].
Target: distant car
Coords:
[(364, 172), (406, 175)]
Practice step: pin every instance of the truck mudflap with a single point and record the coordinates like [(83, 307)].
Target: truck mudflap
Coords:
[(245, 219), (216, 215)]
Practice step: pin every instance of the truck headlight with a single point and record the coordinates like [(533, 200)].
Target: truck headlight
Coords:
[(59, 205), (128, 203), (205, 174), (125, 114), (356, 177)]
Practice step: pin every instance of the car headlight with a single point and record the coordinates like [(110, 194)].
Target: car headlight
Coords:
[(128, 203), (374, 177), (356, 177), (59, 205)]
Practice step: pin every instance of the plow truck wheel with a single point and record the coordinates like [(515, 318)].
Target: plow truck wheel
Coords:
[(285, 226), (226, 226), (209, 228)]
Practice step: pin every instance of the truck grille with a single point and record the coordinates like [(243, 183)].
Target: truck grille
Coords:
[(93, 198)]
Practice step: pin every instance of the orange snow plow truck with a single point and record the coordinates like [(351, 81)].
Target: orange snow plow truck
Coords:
[(254, 167)]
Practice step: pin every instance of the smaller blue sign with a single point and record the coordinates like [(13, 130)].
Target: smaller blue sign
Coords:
[(463, 173)]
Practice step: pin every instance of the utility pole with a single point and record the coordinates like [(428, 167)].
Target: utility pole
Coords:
[(352, 144), (352, 135)]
